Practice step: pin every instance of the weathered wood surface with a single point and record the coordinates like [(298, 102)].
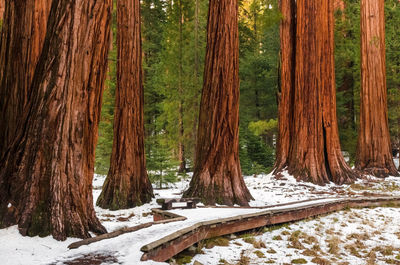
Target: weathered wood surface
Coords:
[(165, 248), (166, 204)]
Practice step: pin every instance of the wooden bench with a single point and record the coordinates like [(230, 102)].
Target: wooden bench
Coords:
[(166, 204)]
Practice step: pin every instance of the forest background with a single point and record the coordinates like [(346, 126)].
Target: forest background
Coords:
[(174, 39)]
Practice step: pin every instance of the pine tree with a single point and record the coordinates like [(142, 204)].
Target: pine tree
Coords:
[(179, 77)]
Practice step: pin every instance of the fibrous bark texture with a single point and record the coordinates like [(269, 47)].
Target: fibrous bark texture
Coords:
[(2, 8), (315, 153), (217, 176), (127, 184), (50, 166), (287, 77), (374, 153), (339, 5), (22, 37)]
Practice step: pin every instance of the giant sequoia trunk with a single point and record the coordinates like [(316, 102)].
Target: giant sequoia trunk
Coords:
[(127, 184), (22, 37), (374, 154), (315, 153), (287, 77), (50, 165), (217, 176)]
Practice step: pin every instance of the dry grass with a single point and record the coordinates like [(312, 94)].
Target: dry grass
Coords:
[(371, 258), (271, 251), (333, 245), (217, 241), (259, 254), (244, 260), (321, 261)]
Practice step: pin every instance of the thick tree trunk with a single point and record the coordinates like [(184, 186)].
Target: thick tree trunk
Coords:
[(22, 37), (374, 153), (315, 153), (217, 175), (50, 166), (287, 77), (127, 184)]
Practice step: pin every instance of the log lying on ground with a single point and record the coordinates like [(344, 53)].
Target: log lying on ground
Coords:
[(122, 231)]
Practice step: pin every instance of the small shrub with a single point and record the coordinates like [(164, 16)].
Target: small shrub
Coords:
[(278, 237), (217, 241), (320, 261), (333, 244), (299, 261), (259, 254)]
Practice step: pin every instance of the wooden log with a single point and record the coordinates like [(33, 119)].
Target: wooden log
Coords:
[(122, 231)]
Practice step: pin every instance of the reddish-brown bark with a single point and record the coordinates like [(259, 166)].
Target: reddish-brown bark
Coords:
[(22, 37), (374, 153), (339, 5), (2, 8), (287, 77), (51, 164), (315, 153), (217, 176), (127, 184)]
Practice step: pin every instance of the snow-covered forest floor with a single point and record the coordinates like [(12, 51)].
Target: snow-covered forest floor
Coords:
[(356, 236)]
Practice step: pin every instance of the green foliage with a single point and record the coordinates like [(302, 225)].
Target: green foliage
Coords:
[(105, 139), (348, 73), (261, 128), (392, 13), (259, 57), (179, 73), (256, 156), (160, 164), (173, 68)]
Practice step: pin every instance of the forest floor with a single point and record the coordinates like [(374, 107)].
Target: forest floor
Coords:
[(356, 236)]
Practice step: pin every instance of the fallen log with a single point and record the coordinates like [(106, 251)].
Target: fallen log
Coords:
[(124, 230)]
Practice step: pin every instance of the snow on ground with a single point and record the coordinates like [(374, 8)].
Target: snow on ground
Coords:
[(356, 236), (266, 190)]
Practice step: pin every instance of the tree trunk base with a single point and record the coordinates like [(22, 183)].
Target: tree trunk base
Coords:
[(379, 172), (219, 189), (113, 198)]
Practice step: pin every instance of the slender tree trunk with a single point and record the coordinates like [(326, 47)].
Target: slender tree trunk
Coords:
[(287, 77), (217, 176), (22, 37), (374, 153), (196, 68), (127, 184), (315, 153), (51, 164), (181, 147)]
